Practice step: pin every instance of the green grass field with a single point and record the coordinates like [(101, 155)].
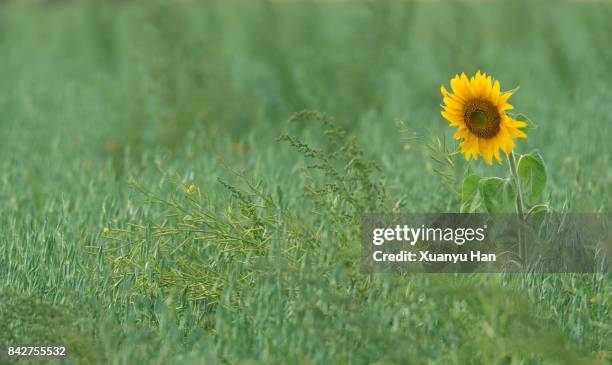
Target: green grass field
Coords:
[(150, 213)]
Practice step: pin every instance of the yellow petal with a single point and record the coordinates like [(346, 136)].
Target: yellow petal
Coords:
[(466, 151), (443, 90), (517, 133), (497, 156), (489, 87), (495, 93), (504, 97), (460, 133), (505, 139), (465, 82), (454, 112), (452, 102), (474, 87), (470, 146), (453, 120), (516, 123), (480, 85), (459, 89), (486, 150), (488, 156), (508, 146)]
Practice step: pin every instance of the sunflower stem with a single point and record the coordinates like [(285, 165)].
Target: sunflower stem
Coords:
[(519, 204)]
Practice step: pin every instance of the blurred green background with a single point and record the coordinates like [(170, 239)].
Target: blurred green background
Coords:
[(149, 214)]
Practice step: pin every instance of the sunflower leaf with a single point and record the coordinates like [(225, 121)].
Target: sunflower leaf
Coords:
[(532, 173), (470, 197), (498, 195)]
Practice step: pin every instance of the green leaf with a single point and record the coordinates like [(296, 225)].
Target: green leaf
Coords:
[(537, 214), (538, 209), (498, 195), (532, 174), (470, 197)]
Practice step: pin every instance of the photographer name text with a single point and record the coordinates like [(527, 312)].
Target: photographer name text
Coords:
[(413, 235), (426, 256)]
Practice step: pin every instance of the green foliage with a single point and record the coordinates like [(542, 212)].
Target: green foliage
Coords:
[(532, 173), (470, 194), (31, 321), (355, 183), (498, 195), (446, 163)]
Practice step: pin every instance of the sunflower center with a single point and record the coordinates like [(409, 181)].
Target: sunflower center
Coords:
[(482, 118), (478, 117)]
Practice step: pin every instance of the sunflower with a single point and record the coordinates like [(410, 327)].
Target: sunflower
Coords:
[(478, 108)]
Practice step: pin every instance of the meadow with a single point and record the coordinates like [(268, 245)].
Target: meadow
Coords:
[(183, 182)]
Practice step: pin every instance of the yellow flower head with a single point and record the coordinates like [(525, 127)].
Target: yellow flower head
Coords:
[(190, 189), (478, 108)]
